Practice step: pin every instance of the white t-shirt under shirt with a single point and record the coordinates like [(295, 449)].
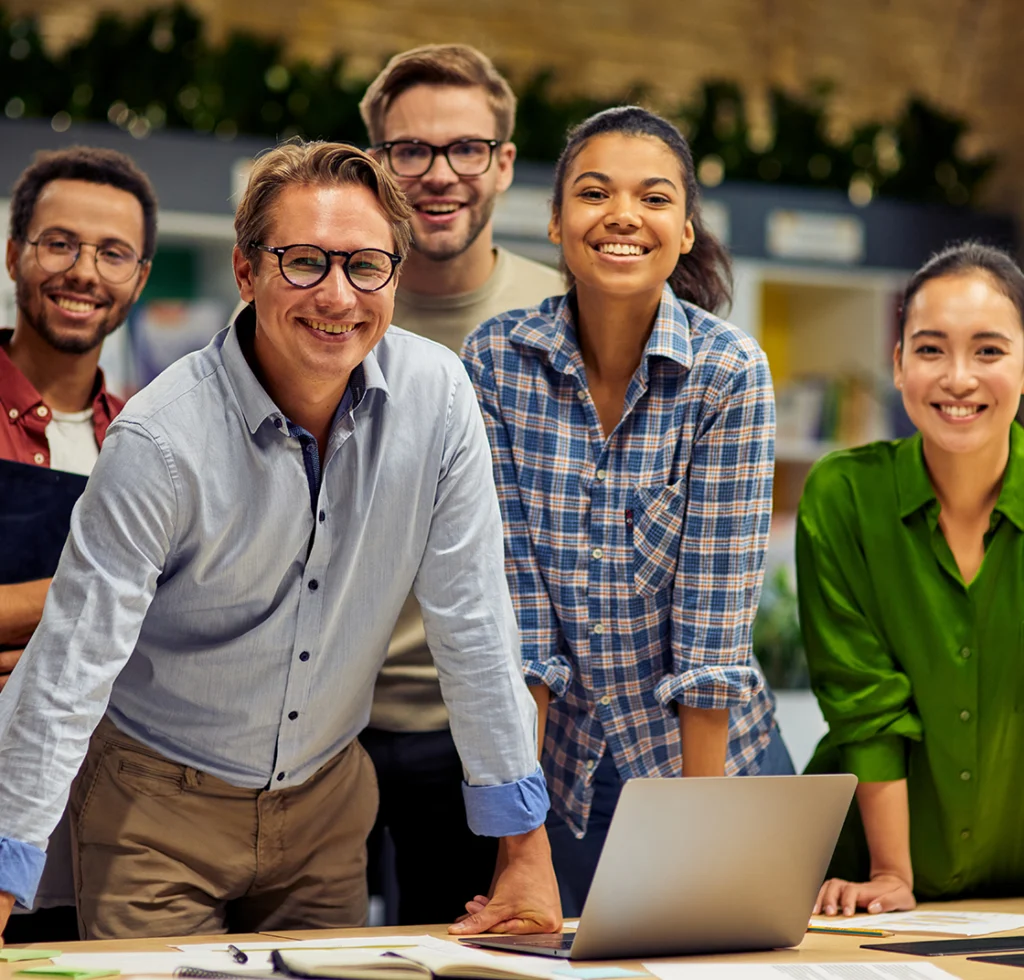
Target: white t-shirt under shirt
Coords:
[(72, 441), (408, 696)]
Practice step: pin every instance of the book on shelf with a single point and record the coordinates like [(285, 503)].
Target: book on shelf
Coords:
[(818, 414)]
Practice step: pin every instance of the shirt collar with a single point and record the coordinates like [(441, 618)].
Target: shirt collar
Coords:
[(556, 335), (19, 394), (915, 488), (257, 406)]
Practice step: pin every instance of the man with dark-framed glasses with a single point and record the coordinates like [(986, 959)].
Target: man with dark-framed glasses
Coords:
[(235, 567), (441, 118), (82, 234)]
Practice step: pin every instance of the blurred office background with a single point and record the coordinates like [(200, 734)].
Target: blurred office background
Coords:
[(838, 144)]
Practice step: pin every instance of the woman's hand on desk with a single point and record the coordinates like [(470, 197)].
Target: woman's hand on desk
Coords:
[(884, 893), (524, 897)]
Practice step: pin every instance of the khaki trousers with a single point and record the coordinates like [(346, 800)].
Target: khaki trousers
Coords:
[(161, 849)]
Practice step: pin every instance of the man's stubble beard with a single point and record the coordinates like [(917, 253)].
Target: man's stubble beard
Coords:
[(76, 343), (454, 251)]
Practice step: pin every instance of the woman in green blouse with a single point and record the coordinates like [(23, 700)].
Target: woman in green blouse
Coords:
[(910, 561)]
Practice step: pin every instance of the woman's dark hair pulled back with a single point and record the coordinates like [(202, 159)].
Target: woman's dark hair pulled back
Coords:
[(704, 275), (965, 257)]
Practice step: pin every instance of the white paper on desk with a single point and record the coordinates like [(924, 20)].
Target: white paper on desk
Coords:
[(542, 967), (385, 942), (942, 923), (796, 971), (163, 964)]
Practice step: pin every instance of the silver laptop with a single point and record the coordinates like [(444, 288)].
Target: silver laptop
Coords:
[(704, 866)]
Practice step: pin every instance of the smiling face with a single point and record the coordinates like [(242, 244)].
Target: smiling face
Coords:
[(74, 310), (622, 224), (316, 336), (450, 211), (961, 367)]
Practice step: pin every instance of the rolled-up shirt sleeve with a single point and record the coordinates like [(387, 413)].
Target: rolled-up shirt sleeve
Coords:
[(722, 546), (472, 634), (865, 696), (119, 539), (538, 624)]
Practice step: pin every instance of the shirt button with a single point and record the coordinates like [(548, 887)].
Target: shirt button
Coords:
[(965, 835), (292, 715), (280, 776), (323, 517), (606, 700), (966, 653), (304, 656), (590, 765), (313, 585), (597, 553), (12, 413), (39, 458), (42, 411), (581, 395), (965, 715), (965, 775), (598, 628), (278, 423), (601, 474)]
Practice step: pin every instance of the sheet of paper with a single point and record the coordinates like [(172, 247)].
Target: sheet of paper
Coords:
[(796, 971), (941, 923), (597, 972), (358, 942), (163, 964), (569, 924)]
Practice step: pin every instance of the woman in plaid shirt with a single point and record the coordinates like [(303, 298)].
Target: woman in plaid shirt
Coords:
[(632, 433)]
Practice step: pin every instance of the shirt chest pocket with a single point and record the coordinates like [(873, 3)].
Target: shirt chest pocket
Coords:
[(654, 525)]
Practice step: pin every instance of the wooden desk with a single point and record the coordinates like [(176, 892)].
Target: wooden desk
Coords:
[(816, 947)]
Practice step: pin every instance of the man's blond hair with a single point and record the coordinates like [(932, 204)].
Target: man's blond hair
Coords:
[(315, 164), (438, 64)]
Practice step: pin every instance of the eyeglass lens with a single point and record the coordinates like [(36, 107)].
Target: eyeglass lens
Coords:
[(367, 269), (468, 158), (58, 252)]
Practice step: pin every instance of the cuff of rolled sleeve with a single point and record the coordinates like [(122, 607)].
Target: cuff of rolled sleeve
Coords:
[(710, 687), (21, 867), (555, 674), (882, 759), (508, 808)]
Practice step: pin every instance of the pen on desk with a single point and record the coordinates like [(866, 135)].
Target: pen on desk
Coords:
[(237, 955), (851, 931)]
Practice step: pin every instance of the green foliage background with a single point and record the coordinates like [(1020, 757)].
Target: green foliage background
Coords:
[(158, 70)]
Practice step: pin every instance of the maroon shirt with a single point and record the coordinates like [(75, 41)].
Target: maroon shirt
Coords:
[(23, 437)]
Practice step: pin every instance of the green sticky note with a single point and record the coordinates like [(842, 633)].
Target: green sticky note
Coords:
[(66, 971), (15, 955)]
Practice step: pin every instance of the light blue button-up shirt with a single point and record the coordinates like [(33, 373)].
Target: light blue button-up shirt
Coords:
[(203, 596)]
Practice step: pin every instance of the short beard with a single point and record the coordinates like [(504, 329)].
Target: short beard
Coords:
[(66, 344), (454, 251)]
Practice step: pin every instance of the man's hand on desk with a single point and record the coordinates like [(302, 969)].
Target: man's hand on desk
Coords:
[(524, 897), (6, 904), (8, 661)]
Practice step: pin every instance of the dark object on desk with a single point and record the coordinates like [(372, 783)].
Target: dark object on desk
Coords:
[(952, 947), (236, 954), (35, 516), (1009, 959)]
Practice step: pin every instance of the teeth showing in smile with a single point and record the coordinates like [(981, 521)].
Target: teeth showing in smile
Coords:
[(325, 327), (620, 248), (959, 411), (439, 208), (74, 305)]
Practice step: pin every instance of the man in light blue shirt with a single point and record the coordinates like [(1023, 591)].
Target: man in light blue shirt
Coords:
[(254, 524)]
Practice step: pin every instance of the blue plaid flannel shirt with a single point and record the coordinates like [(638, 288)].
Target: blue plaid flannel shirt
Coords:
[(635, 562)]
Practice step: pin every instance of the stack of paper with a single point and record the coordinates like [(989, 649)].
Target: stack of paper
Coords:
[(945, 923)]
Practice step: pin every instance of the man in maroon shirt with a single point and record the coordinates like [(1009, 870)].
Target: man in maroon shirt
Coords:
[(82, 236)]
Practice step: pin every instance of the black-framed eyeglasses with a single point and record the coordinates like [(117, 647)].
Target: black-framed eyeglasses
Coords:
[(305, 266), (57, 251), (413, 158)]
